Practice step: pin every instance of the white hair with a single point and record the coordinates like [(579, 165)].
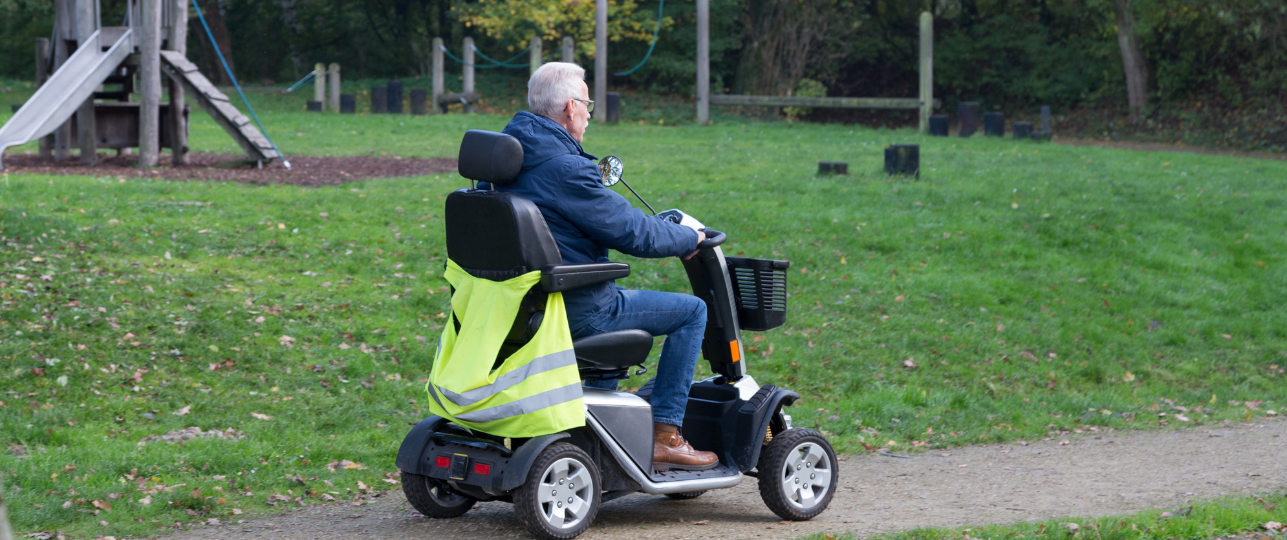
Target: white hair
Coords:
[(552, 85)]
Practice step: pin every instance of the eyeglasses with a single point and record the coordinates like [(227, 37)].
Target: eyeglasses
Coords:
[(589, 104)]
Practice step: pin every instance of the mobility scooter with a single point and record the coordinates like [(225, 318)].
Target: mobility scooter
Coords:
[(558, 481)]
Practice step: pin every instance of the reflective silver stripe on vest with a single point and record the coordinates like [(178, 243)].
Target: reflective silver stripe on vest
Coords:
[(537, 366), (548, 398)]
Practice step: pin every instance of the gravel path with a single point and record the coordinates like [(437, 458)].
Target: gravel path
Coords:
[(1109, 473)]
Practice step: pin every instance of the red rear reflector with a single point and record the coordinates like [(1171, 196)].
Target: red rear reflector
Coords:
[(735, 350), (442, 461), (484, 470)]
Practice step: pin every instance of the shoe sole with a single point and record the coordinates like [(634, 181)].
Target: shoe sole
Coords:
[(669, 466)]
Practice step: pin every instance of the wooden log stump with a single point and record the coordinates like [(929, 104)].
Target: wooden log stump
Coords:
[(613, 107), (832, 168), (379, 99), (1022, 130), (938, 125), (314, 106), (418, 101), (348, 104), (395, 97), (903, 159), (994, 124), (969, 115)]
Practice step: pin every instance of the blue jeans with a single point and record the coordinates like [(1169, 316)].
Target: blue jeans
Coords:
[(681, 318)]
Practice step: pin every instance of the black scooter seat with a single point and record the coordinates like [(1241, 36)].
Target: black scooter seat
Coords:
[(612, 351)]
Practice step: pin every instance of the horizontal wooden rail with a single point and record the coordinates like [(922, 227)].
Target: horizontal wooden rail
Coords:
[(819, 102)]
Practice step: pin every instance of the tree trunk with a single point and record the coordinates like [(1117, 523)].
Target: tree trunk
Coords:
[(1133, 62), (214, 17)]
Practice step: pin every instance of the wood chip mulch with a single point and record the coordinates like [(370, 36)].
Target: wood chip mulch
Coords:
[(304, 171)]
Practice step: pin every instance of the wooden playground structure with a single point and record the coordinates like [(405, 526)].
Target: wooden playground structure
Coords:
[(71, 108)]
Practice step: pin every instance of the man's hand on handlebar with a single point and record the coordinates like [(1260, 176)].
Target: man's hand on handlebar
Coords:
[(701, 237)]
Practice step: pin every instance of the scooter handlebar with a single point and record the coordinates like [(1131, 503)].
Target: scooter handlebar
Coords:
[(713, 238)]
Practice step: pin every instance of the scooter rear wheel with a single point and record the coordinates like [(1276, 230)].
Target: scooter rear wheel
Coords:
[(561, 494), (433, 498), (798, 474)]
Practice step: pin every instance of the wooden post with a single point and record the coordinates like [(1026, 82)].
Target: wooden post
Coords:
[(569, 50), (149, 82), (86, 135), (927, 70), (437, 77), (601, 56), (319, 82), (467, 80), (535, 54), (64, 34), (178, 39), (703, 62), (333, 73), (42, 73)]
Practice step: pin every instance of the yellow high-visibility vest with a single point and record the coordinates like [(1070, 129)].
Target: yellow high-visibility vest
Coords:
[(536, 391)]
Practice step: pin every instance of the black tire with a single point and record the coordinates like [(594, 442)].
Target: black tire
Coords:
[(557, 466), (684, 496), (787, 492), (433, 498)]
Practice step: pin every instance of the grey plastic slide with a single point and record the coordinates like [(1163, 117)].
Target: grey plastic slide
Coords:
[(65, 91)]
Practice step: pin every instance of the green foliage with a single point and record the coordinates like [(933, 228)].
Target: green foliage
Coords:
[(21, 22), (514, 22), (804, 88)]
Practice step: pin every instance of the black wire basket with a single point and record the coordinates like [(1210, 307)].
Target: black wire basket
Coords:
[(760, 289)]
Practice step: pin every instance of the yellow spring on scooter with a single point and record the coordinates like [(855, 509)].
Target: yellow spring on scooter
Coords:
[(768, 435)]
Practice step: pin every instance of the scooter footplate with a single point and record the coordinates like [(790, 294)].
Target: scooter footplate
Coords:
[(719, 471)]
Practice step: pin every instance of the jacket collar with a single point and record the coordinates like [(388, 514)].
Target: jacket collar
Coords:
[(560, 134)]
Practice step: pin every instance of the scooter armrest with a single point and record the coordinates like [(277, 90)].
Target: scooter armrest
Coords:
[(565, 277)]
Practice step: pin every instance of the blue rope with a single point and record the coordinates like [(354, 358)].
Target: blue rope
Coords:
[(238, 86), (507, 62), (655, 31), (311, 75), (458, 59)]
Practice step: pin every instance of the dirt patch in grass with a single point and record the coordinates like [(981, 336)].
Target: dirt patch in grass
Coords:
[(304, 171)]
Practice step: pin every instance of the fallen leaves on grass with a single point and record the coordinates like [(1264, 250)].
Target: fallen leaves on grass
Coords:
[(182, 411), (910, 364), (286, 341), (102, 505), (344, 464), (261, 416), (1275, 526), (193, 433)]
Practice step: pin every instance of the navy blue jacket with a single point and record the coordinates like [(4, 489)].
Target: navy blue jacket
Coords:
[(585, 218)]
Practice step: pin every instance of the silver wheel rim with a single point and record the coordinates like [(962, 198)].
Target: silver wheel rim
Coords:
[(565, 493), (442, 496), (806, 475)]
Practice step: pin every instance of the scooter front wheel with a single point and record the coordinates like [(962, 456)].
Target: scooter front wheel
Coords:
[(561, 495), (798, 474), (434, 498)]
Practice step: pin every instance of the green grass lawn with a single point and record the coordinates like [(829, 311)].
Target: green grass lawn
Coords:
[(1016, 291), (1249, 518)]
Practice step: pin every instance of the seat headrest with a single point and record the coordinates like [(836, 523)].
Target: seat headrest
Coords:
[(487, 156)]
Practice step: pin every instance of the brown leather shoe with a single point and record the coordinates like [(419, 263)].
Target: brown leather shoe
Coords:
[(671, 451)]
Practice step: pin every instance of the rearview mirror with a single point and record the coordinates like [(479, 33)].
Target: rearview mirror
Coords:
[(610, 170)]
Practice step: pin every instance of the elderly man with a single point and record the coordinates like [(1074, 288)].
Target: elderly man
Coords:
[(587, 220)]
